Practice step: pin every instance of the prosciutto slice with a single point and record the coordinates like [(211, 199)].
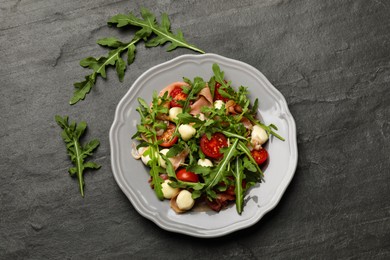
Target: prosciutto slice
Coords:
[(179, 159), (171, 86), (205, 99), (220, 202), (247, 123)]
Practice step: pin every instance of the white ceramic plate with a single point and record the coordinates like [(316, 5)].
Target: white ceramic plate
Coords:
[(132, 176)]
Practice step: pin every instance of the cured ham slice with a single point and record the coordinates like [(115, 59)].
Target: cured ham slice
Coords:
[(247, 123), (205, 99), (220, 202), (179, 159), (171, 86)]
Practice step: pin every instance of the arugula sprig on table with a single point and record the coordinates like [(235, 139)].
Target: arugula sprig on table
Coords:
[(149, 27), (77, 152), (98, 65)]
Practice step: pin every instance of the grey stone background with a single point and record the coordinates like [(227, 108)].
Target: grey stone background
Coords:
[(330, 59)]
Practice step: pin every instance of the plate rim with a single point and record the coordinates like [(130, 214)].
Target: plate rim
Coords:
[(188, 230)]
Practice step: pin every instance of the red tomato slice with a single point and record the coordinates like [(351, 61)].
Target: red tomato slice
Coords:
[(166, 137), (177, 94), (183, 175), (260, 156), (211, 147), (217, 95)]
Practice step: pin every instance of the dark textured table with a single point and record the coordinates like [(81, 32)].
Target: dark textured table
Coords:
[(330, 59)]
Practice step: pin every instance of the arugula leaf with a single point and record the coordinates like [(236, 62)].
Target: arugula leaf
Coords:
[(229, 134), (217, 175), (268, 129), (196, 87), (149, 25), (242, 147), (186, 118), (219, 75), (186, 185), (71, 134), (239, 175), (175, 150), (249, 165), (155, 171), (199, 169), (98, 65)]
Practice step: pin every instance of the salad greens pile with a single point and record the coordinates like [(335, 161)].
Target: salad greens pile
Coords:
[(236, 168)]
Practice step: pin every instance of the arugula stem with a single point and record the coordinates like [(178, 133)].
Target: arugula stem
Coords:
[(159, 32), (238, 185), (229, 134), (245, 149), (79, 166), (221, 167), (266, 128), (271, 131), (155, 163), (117, 53)]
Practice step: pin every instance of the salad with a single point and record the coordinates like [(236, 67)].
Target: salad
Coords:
[(203, 143)]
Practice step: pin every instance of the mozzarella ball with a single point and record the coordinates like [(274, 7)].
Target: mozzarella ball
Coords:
[(162, 161), (173, 112), (186, 132), (202, 117), (184, 200), (218, 104), (146, 158), (168, 191), (258, 136), (205, 162)]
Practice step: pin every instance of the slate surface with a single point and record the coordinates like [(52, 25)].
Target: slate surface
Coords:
[(330, 59)]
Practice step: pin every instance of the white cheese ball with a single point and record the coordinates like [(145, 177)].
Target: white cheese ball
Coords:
[(202, 117), (258, 136), (162, 161), (184, 200), (146, 158), (168, 191), (186, 132), (205, 162), (173, 112), (218, 104)]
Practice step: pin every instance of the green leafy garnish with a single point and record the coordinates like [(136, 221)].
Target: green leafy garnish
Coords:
[(148, 27), (71, 135), (217, 175), (98, 65), (239, 176), (148, 24)]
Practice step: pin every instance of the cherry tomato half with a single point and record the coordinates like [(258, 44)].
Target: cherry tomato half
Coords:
[(260, 156), (217, 95), (177, 94), (184, 175), (211, 147), (166, 137)]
